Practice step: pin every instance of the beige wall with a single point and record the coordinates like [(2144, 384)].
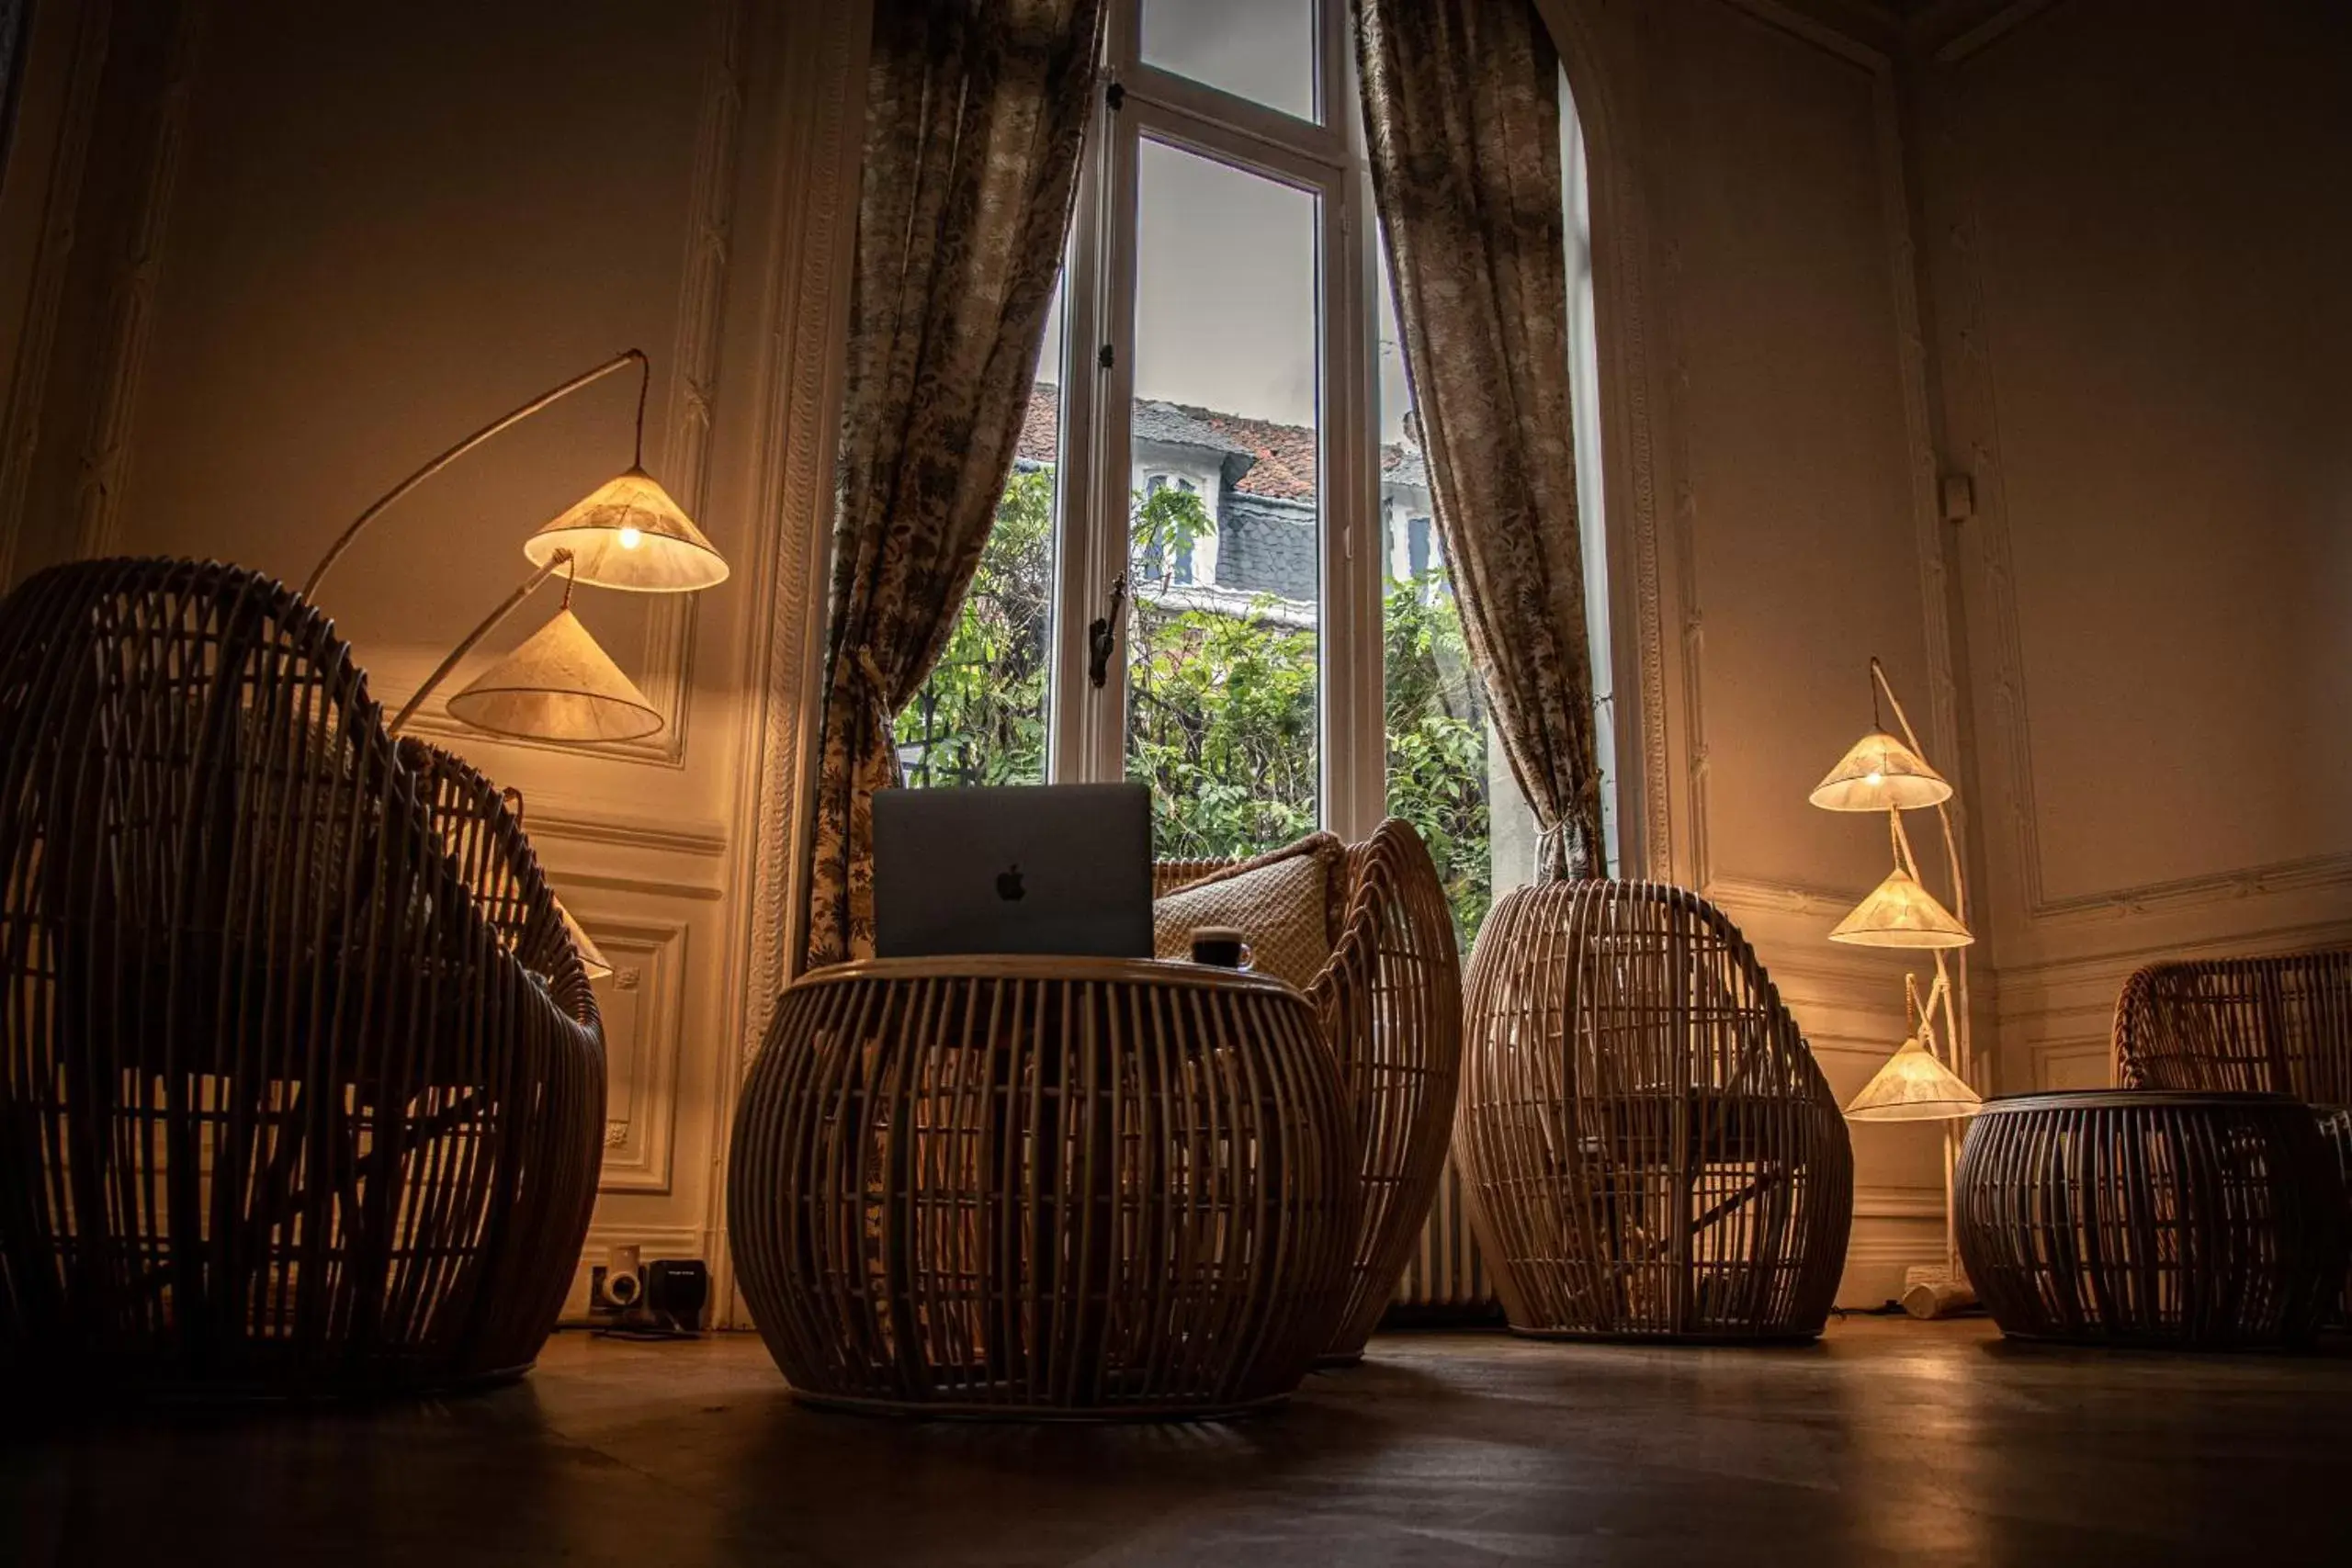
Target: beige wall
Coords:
[(2138, 275)]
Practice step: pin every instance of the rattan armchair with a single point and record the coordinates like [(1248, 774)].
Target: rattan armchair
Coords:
[(2280, 1024), (1649, 1148), (301, 1084), (1390, 1002), (2276, 1025)]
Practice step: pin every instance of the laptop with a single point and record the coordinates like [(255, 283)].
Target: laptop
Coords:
[(1056, 868)]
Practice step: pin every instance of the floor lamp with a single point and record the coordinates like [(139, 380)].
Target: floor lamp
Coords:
[(560, 685), (1927, 1078), (628, 534)]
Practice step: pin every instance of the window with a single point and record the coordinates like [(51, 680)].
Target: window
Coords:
[(1221, 441)]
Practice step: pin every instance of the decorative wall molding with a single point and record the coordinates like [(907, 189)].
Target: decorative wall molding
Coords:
[(2285, 936), (820, 100), (567, 823), (29, 378), (1882, 1249), (650, 887), (2310, 871), (644, 1004), (1784, 898), (130, 303), (1881, 1203)]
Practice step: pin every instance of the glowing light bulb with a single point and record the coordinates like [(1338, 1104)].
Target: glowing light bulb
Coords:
[(1873, 781), (629, 536)]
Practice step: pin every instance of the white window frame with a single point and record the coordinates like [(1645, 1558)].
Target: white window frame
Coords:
[(1087, 725)]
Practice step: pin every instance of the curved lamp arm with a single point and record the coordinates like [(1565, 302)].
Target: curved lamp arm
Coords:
[(514, 602), (1958, 1046), (625, 358)]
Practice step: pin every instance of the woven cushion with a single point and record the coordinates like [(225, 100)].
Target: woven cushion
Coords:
[(1280, 902)]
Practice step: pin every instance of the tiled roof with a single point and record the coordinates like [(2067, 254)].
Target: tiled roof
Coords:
[(1283, 455)]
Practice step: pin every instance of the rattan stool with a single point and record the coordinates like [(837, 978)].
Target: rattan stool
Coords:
[(1043, 1187), (2155, 1217)]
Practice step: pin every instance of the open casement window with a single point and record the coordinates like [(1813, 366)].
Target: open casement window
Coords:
[(1220, 453)]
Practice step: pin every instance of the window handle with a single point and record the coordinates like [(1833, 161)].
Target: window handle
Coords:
[(1103, 635)]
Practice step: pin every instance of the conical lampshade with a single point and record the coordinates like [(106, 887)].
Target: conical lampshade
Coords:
[(629, 533), (1877, 773), (1901, 913), (1914, 1087), (592, 958), (558, 686)]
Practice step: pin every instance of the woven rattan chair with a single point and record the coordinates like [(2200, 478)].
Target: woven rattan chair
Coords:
[(301, 1084), (1390, 1000), (1650, 1150), (2276, 1025)]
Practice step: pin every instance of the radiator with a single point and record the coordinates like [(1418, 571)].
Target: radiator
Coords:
[(1444, 1279)]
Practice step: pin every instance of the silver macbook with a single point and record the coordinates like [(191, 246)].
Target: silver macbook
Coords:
[(1057, 868)]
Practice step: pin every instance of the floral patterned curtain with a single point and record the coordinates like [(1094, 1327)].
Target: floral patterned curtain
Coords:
[(975, 112), (1462, 106)]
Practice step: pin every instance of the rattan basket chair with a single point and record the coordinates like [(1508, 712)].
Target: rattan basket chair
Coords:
[(2276, 1025), (1390, 1002), (1650, 1150), (2280, 1024), (301, 1084)]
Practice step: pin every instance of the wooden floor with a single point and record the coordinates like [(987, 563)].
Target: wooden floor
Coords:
[(1936, 1442)]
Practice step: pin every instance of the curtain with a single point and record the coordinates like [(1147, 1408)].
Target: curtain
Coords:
[(975, 111), (1462, 107)]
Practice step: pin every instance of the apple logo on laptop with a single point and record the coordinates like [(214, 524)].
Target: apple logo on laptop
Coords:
[(1008, 884)]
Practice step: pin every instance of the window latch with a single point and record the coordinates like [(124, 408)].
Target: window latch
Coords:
[(1103, 635)]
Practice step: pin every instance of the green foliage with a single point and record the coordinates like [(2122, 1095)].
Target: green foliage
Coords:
[(1221, 724), (1221, 704), (1437, 740), (980, 718)]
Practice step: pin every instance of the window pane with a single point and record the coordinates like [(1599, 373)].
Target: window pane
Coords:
[(980, 718), (1261, 49), (1224, 525)]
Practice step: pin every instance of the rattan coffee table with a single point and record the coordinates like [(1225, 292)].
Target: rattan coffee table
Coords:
[(1043, 1188), (2155, 1217)]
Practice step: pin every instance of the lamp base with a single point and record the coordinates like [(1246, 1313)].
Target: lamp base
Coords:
[(1932, 1291)]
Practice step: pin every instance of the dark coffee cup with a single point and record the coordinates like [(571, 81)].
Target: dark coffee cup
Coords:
[(1220, 945)]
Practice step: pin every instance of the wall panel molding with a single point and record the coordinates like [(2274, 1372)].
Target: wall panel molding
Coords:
[(806, 312), (644, 1004), (575, 823)]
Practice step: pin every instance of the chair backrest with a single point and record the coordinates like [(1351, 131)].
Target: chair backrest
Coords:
[(2279, 1025), (193, 775), (1662, 990)]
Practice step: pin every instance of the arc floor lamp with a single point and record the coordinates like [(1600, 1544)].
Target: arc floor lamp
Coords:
[(1927, 1078), (560, 685)]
